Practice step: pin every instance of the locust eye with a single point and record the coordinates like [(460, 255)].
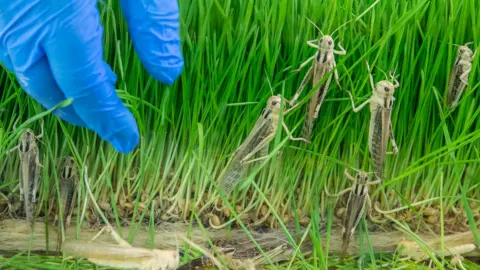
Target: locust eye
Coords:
[(321, 40), (462, 50), (386, 89), (274, 103), (329, 42)]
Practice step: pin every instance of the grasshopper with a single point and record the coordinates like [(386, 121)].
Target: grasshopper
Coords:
[(29, 171), (68, 191), (235, 256), (123, 255), (357, 199), (196, 264), (381, 103), (453, 245), (324, 62), (459, 74), (256, 142)]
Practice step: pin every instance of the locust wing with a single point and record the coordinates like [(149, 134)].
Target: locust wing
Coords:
[(236, 170), (455, 84)]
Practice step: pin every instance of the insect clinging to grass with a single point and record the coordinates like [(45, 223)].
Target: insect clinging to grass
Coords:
[(323, 63), (29, 172), (256, 142), (68, 190), (459, 74), (357, 200), (380, 130)]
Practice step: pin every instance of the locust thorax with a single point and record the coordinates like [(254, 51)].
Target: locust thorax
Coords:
[(326, 43), (384, 89), (27, 140), (465, 53)]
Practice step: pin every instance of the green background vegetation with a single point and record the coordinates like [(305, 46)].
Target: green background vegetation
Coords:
[(190, 129)]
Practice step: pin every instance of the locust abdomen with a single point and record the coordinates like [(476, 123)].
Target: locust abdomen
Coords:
[(377, 141), (232, 177)]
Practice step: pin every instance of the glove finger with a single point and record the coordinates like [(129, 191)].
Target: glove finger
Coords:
[(34, 75), (38, 82), (75, 56), (154, 28), (5, 60)]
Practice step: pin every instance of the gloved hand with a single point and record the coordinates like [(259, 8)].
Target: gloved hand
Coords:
[(55, 49)]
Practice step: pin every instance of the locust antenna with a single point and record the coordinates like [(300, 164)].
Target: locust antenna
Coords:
[(367, 10), (468, 43), (441, 41), (340, 27), (392, 77), (315, 26), (359, 171), (382, 72), (269, 84), (355, 169)]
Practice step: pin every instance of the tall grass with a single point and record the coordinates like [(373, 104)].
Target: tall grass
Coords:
[(190, 129)]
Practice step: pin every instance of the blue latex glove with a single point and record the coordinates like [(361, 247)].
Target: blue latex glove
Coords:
[(55, 49)]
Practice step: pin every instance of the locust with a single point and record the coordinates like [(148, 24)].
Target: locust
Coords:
[(122, 255), (453, 245), (323, 63), (68, 191), (237, 256), (29, 172), (357, 200), (380, 130), (459, 74), (256, 142)]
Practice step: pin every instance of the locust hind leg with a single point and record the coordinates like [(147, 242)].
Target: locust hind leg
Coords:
[(464, 76), (337, 77), (322, 91), (394, 144), (302, 86), (302, 65), (21, 187), (307, 129), (337, 194), (263, 152), (70, 208), (264, 142), (37, 176)]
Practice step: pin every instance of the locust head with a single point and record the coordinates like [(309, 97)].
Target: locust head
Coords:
[(26, 140), (274, 103), (361, 178), (68, 168), (465, 53), (326, 43), (384, 89)]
